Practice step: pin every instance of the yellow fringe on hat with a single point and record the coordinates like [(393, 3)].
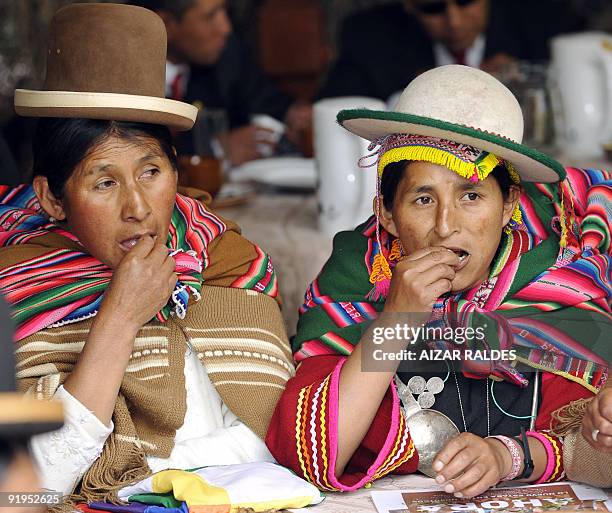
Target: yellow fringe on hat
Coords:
[(514, 175), (426, 154), (443, 158), (486, 165)]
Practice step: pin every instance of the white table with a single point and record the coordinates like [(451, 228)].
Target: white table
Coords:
[(360, 501)]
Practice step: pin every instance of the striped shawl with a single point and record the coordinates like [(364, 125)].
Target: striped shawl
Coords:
[(224, 307), (240, 339), (543, 291)]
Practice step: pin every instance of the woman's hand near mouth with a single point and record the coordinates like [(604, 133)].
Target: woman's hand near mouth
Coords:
[(418, 280), (141, 284), (140, 287), (421, 278)]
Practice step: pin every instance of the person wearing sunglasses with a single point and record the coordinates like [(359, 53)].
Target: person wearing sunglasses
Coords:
[(383, 48)]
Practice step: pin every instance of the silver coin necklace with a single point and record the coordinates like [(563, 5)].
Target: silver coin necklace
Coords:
[(430, 429)]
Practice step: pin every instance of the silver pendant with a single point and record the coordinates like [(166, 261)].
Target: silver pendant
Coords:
[(417, 384), (430, 430), (426, 400), (404, 395), (435, 385)]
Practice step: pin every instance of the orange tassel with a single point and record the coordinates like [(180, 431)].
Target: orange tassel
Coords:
[(380, 269), (397, 251)]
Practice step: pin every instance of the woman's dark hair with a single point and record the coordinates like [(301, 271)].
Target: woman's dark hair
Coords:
[(394, 172), (60, 144)]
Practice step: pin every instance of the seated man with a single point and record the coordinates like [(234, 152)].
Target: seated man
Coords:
[(209, 65), (384, 48)]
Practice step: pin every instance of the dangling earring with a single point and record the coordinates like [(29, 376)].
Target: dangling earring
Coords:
[(515, 221), (52, 220), (380, 276), (517, 217), (397, 250)]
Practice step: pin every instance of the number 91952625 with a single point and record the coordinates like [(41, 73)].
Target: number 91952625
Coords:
[(29, 499)]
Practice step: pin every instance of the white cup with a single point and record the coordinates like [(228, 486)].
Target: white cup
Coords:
[(345, 190), (274, 131)]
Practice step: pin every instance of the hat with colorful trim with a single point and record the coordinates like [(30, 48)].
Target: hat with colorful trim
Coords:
[(106, 61), (467, 109), (455, 116)]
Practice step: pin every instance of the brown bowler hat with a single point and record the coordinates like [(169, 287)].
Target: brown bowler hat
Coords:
[(106, 61)]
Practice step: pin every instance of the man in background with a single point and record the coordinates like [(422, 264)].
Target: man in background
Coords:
[(382, 49), (208, 65)]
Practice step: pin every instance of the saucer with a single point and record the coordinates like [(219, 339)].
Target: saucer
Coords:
[(233, 194), (291, 173)]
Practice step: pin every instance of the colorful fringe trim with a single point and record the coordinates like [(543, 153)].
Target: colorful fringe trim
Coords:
[(473, 171), (467, 161)]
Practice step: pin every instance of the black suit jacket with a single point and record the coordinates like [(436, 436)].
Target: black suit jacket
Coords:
[(236, 84), (382, 49), (9, 174)]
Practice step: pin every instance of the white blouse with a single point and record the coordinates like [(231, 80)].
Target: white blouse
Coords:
[(210, 435)]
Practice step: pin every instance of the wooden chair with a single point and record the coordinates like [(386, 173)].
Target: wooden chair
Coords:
[(293, 47)]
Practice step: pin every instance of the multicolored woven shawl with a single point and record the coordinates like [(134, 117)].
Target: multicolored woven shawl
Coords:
[(541, 293), (50, 280)]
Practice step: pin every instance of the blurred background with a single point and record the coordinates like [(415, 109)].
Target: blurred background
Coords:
[(269, 77), (309, 32)]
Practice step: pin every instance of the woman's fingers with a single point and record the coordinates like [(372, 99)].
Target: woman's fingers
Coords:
[(428, 286), (143, 247), (446, 463), (467, 465), (594, 424), (472, 476), (420, 253), (430, 257), (172, 279), (604, 406), (486, 481), (458, 464), (439, 288), (435, 273), (604, 425)]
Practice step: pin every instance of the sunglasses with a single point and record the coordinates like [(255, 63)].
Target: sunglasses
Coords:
[(439, 7)]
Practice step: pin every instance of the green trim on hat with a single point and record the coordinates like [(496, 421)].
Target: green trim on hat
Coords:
[(365, 114)]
